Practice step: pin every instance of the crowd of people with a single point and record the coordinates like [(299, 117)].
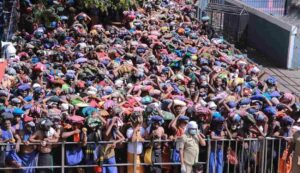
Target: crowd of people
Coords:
[(160, 87)]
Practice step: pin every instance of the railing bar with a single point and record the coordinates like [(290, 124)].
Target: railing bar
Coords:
[(266, 155), (236, 151), (126, 141), (208, 155), (272, 156), (279, 151), (222, 148), (215, 157), (134, 157), (249, 147), (243, 155), (63, 158), (257, 157), (229, 146), (104, 165), (261, 159)]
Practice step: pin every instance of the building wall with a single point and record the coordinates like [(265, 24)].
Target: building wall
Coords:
[(296, 59), (269, 38), (273, 37)]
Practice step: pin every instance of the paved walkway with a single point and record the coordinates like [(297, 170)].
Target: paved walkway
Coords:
[(289, 80)]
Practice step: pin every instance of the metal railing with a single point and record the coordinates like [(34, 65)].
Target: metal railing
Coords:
[(272, 7), (252, 155), (13, 21)]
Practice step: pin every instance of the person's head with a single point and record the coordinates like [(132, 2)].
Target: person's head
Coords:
[(136, 119), (219, 81), (77, 125), (23, 93), (155, 124), (156, 121), (45, 124), (178, 109), (126, 75), (297, 122), (212, 106), (7, 124), (260, 119), (183, 121), (235, 121), (257, 105), (203, 92), (192, 84), (287, 122), (17, 118), (192, 128), (53, 105), (29, 126)]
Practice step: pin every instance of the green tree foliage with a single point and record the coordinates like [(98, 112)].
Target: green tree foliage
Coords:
[(106, 5)]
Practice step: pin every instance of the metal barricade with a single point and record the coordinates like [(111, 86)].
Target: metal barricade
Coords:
[(250, 155), (13, 21), (272, 7)]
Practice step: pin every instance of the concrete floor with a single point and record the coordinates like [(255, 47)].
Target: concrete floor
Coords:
[(289, 80)]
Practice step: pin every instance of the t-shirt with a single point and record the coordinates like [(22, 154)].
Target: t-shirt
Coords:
[(132, 147), (180, 131)]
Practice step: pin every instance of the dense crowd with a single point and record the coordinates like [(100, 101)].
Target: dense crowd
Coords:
[(161, 75)]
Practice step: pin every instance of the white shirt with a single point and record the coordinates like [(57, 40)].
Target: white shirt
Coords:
[(134, 148)]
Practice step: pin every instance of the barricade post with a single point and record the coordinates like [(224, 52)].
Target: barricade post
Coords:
[(135, 157), (208, 151), (63, 157)]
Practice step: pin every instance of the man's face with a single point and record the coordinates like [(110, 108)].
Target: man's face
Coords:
[(28, 127), (7, 124), (183, 124), (23, 93), (18, 118), (178, 109), (192, 85), (155, 125), (219, 81)]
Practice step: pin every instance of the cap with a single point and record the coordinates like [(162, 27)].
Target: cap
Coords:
[(156, 118), (192, 125), (183, 118)]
